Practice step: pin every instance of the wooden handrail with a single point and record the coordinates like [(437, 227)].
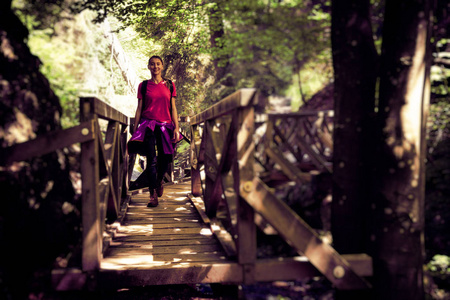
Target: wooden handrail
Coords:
[(91, 105), (223, 159), (104, 168), (105, 175), (222, 148), (302, 114), (47, 143), (239, 99), (307, 136)]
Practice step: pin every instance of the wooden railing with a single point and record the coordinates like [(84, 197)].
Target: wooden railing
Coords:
[(231, 164), (236, 150), (103, 168), (299, 144), (105, 175)]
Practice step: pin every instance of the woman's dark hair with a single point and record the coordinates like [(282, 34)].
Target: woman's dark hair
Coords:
[(156, 56)]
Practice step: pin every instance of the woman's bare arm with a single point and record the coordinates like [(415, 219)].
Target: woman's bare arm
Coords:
[(175, 120), (137, 117)]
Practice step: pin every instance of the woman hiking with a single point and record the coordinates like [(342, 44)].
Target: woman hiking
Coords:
[(156, 124)]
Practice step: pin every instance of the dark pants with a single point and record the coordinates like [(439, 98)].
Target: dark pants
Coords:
[(157, 161)]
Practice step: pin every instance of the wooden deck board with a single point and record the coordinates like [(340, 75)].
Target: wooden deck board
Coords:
[(154, 239), (170, 244), (170, 235)]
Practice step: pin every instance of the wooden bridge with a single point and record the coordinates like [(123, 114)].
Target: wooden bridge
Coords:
[(205, 228)]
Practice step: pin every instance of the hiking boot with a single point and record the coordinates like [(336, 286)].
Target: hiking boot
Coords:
[(153, 202), (160, 191)]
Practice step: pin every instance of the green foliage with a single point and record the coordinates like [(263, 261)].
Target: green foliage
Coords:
[(440, 73), (55, 58), (183, 146), (257, 43), (269, 44), (45, 14), (437, 284), (437, 210), (75, 59), (439, 116), (440, 265)]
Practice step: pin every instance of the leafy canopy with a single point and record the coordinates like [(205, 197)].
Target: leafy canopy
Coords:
[(259, 43)]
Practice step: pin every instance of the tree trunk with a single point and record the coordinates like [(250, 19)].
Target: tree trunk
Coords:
[(398, 185), (355, 64), (216, 32), (297, 71)]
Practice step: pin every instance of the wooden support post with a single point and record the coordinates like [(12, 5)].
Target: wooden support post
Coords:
[(212, 191), (92, 235), (220, 154), (130, 157), (243, 170), (115, 165), (111, 152), (125, 160), (196, 140)]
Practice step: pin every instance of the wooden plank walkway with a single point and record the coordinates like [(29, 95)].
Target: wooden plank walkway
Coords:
[(167, 244), (170, 244)]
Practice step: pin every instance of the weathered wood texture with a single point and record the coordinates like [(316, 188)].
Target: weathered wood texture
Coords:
[(47, 143), (302, 237), (104, 172), (299, 144), (228, 142), (102, 110), (171, 244), (169, 234), (210, 236), (240, 98)]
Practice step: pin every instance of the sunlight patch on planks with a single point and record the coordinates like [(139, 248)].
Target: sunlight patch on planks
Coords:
[(169, 235)]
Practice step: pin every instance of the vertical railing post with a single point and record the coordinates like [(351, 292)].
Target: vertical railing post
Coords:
[(92, 236), (126, 175), (211, 195), (246, 228), (196, 139), (115, 164), (232, 175), (131, 158)]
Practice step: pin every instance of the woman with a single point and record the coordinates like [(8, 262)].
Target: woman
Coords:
[(156, 124)]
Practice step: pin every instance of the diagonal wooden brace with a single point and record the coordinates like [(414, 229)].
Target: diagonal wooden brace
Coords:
[(301, 236)]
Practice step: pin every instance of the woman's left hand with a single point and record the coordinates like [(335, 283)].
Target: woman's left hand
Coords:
[(176, 136)]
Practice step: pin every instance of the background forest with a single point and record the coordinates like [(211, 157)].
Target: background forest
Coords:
[(253, 45), (213, 48)]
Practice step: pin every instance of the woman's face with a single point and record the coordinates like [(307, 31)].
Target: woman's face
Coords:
[(155, 66)]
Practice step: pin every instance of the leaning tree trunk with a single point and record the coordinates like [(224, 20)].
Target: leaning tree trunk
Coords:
[(398, 185), (121, 58), (34, 227)]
